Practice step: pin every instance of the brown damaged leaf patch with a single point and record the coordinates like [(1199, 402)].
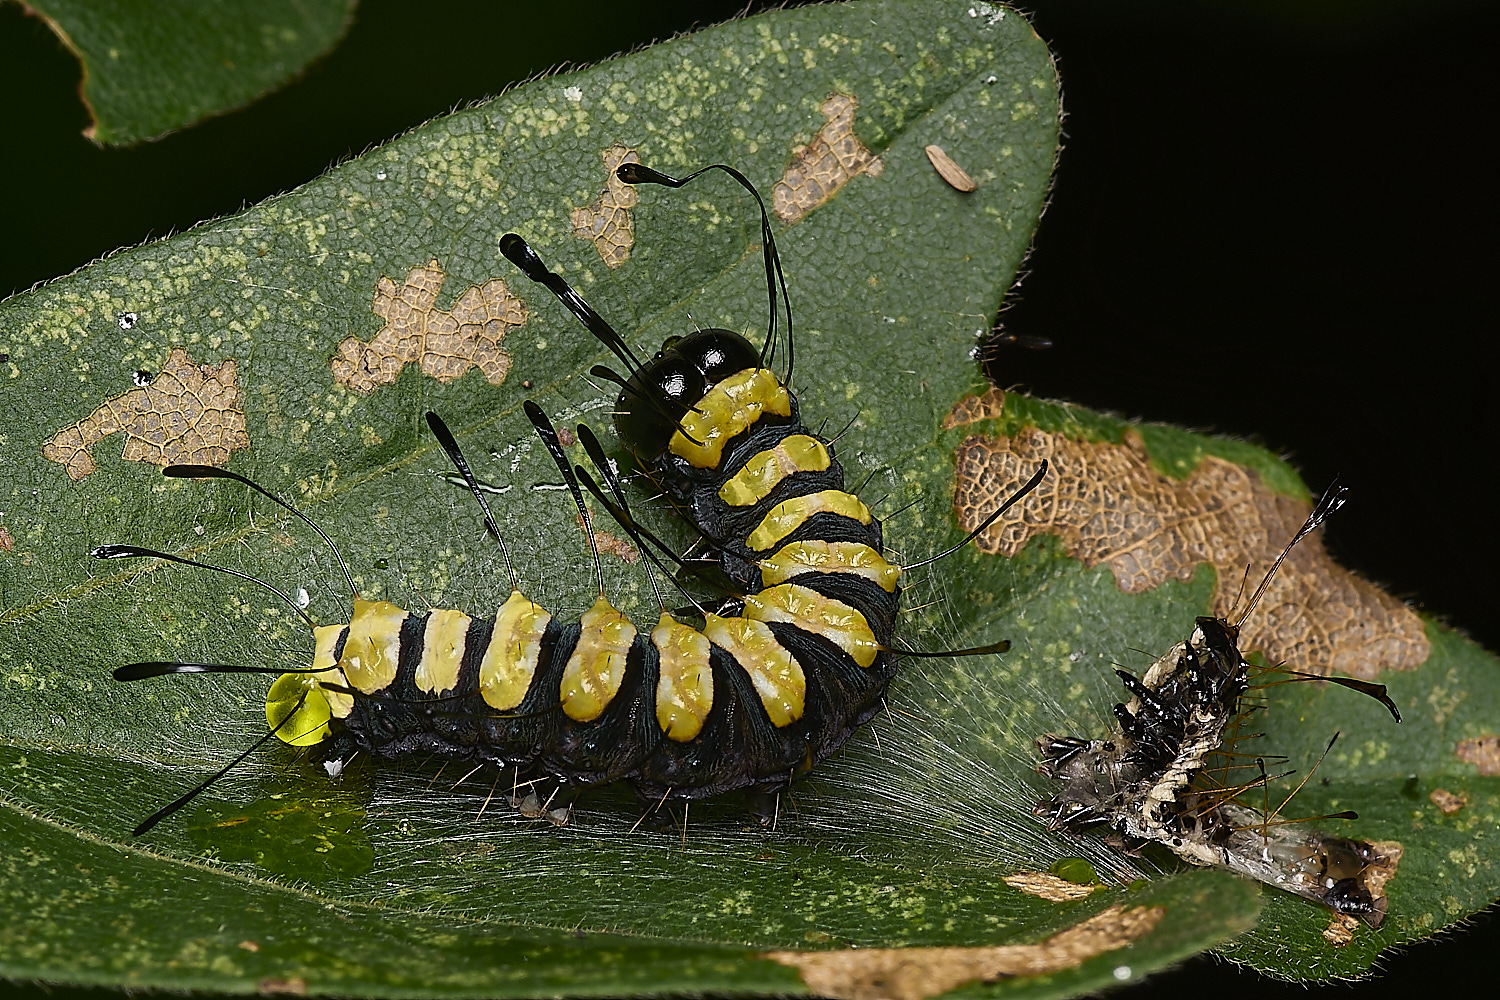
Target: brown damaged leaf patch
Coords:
[(1049, 886), (1447, 802), (1340, 929), (608, 222), (820, 168), (1376, 876), (7, 541), (444, 344), (611, 545), (1108, 505), (1481, 751), (916, 973), (972, 409), (190, 414)]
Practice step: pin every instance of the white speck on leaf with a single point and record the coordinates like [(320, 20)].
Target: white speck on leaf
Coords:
[(992, 15)]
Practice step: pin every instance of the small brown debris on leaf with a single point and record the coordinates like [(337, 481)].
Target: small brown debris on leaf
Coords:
[(191, 414), (608, 220), (916, 973), (295, 986), (1481, 751), (820, 168), (611, 544), (444, 344), (617, 547), (1340, 929), (1049, 886), (250, 945), (956, 176), (1109, 505), (1447, 802)]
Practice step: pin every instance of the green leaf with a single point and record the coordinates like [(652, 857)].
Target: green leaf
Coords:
[(273, 881), (151, 66)]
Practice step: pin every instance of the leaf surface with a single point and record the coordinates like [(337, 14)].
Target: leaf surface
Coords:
[(304, 339), (151, 66)]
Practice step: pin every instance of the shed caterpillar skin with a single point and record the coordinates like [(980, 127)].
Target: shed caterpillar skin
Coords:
[(1141, 782), (776, 679)]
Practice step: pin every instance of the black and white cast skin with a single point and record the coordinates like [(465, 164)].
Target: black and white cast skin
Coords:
[(1139, 783)]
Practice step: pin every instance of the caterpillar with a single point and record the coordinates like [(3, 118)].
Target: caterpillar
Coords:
[(795, 657), (1147, 782)]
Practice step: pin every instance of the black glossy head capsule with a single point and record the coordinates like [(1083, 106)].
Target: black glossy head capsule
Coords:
[(666, 387)]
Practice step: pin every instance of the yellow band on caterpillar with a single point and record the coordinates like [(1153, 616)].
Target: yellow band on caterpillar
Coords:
[(327, 639), (443, 644), (728, 409), (813, 555), (789, 515), (775, 673), (593, 674), (759, 476), (812, 612), (685, 686), (373, 649), (510, 660)]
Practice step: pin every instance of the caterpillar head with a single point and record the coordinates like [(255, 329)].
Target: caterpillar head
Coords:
[(661, 391)]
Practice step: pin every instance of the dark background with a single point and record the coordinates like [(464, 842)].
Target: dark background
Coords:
[(1271, 220)]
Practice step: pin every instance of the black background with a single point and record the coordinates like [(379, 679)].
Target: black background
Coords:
[(1270, 220)]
